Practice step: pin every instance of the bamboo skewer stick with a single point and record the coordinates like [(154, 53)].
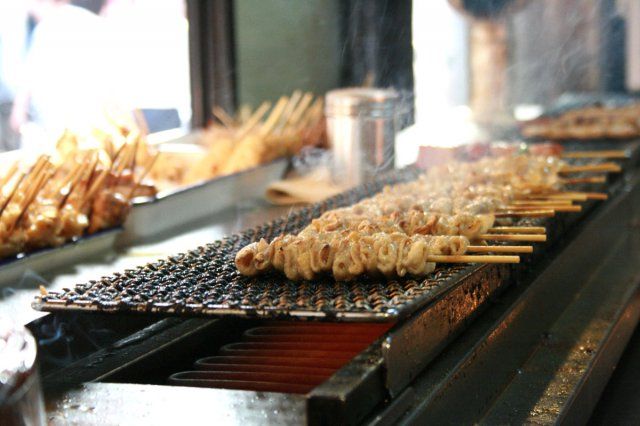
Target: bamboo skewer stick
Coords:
[(136, 142), (500, 249), (580, 195), (564, 208), (591, 179), (513, 237), (274, 117), (519, 229), (75, 170), (226, 120), (604, 167), (34, 181), (525, 213), (143, 175), (288, 111), (40, 183), (596, 154), (73, 185), (13, 192), (574, 196), (7, 177), (141, 122), (95, 187), (301, 108), (542, 202), (254, 120), (472, 259)]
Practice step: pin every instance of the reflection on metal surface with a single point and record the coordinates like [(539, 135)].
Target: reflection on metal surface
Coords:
[(546, 353), (409, 349), (110, 403)]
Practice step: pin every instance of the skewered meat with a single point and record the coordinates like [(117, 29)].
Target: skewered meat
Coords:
[(347, 255), (394, 232)]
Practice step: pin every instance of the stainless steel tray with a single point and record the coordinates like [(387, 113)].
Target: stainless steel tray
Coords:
[(171, 210), (13, 269)]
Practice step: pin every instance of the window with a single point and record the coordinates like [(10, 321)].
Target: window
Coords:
[(67, 64)]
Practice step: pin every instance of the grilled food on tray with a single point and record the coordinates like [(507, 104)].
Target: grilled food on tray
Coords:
[(407, 228), (595, 122), (74, 192), (248, 140)]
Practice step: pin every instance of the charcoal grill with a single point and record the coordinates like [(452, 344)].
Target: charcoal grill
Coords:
[(381, 383)]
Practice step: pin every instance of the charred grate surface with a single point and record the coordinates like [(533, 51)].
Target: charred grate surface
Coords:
[(205, 282)]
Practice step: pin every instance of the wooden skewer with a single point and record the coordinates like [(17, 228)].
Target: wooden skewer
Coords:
[(95, 187), (136, 144), (596, 154), (472, 259), (582, 195), (243, 114), (125, 160), (604, 167), (7, 177), (75, 170), (13, 192), (519, 229), (591, 179), (35, 170), (40, 183), (596, 196), (301, 108), (312, 114), (224, 118), (288, 111), (500, 249), (564, 208), (143, 175), (525, 213), (118, 152), (75, 183), (558, 196), (542, 202), (513, 237), (274, 117), (254, 120), (141, 122), (34, 181), (90, 175)]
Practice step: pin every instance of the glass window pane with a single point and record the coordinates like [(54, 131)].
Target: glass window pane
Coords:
[(65, 64)]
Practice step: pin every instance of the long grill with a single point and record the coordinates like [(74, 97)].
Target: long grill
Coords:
[(205, 282), (334, 388)]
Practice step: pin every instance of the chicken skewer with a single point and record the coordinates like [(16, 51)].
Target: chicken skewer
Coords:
[(406, 229)]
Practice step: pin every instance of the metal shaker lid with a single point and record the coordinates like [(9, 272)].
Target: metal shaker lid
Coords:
[(17, 358), (361, 101)]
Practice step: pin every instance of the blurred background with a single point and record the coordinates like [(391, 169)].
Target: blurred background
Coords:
[(459, 67)]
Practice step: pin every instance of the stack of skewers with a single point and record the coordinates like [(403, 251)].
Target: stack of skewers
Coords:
[(592, 122), (249, 139), (73, 192), (448, 215)]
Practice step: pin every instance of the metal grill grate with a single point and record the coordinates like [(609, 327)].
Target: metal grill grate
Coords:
[(205, 282)]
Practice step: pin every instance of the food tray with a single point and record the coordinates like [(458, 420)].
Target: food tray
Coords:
[(205, 282), (171, 210), (47, 259)]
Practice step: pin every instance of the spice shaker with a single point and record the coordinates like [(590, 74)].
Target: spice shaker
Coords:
[(361, 128), (21, 400)]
